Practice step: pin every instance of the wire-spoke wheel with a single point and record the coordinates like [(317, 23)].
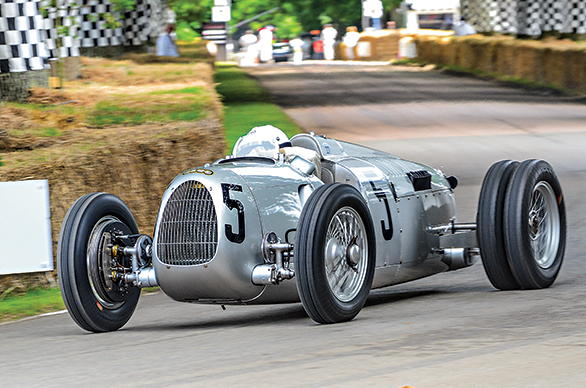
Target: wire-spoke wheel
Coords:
[(334, 254), (346, 254), (535, 224), (544, 225)]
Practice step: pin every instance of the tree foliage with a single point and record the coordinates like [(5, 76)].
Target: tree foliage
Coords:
[(292, 18)]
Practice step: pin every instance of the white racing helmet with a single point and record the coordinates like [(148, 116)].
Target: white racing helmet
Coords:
[(261, 141)]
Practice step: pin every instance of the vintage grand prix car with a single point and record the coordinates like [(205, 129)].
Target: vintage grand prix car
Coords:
[(340, 218)]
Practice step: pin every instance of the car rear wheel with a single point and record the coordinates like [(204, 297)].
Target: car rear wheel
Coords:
[(490, 229), (535, 224), (334, 253), (94, 301)]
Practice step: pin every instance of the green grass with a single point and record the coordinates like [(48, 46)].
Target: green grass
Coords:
[(192, 90), (34, 302), (185, 32), (234, 85), (51, 132), (247, 105), (111, 113), (187, 104), (239, 118), (37, 301)]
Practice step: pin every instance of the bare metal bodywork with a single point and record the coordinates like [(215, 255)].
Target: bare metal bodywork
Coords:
[(220, 254), (319, 221)]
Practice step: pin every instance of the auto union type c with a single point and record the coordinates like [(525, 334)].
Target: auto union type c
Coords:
[(319, 221)]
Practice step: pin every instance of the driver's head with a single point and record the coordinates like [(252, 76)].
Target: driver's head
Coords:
[(261, 141)]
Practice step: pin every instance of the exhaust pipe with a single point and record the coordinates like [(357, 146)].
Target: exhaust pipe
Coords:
[(457, 258)]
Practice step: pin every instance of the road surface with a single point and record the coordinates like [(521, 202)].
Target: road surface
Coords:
[(449, 330)]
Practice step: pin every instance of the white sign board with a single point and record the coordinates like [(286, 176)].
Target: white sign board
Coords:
[(221, 14), (222, 2), (428, 5), (372, 8), (25, 227)]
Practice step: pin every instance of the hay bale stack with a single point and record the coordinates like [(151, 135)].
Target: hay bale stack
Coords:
[(556, 63), (467, 55), (576, 70), (384, 44), (55, 139), (528, 57), (428, 50), (449, 52), (135, 164)]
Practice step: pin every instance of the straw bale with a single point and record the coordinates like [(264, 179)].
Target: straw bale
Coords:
[(45, 96), (554, 66), (434, 49), (506, 58), (528, 59), (466, 55), (576, 70), (450, 52), (428, 49), (487, 53), (135, 164), (384, 44), (561, 63)]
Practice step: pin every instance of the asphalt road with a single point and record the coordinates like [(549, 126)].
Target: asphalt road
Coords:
[(449, 330)]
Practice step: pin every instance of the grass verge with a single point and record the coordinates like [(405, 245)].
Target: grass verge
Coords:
[(247, 105), (32, 303)]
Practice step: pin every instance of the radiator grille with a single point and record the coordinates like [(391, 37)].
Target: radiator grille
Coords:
[(188, 231)]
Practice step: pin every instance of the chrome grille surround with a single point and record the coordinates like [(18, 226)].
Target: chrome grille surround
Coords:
[(188, 229)]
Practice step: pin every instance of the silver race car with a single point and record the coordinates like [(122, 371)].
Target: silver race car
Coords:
[(311, 219)]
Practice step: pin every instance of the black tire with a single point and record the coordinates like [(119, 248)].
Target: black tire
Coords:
[(91, 305), (535, 224), (490, 228), (351, 263)]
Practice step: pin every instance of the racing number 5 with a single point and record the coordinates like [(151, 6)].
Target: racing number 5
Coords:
[(231, 204)]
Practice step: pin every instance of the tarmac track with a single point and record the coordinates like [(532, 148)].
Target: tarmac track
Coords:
[(449, 330)]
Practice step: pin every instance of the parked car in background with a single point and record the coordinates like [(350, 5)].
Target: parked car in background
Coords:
[(282, 52)]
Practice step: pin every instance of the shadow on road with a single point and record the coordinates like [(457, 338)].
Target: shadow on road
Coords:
[(388, 297), (246, 316), (240, 316)]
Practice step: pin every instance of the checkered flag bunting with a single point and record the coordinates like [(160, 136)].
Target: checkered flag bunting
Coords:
[(21, 43), (28, 40), (526, 17)]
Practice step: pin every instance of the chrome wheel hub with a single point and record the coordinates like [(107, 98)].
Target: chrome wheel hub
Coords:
[(98, 269), (544, 225), (346, 254)]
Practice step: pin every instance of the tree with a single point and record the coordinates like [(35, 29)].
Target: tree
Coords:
[(314, 13), (192, 13), (292, 18)]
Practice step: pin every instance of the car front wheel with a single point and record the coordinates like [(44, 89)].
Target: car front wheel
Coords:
[(335, 254), (94, 300)]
